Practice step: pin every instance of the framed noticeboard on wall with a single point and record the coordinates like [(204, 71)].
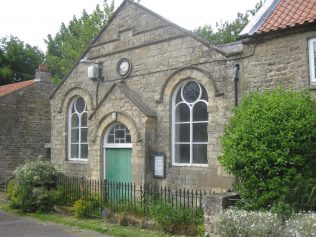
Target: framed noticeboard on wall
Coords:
[(159, 163)]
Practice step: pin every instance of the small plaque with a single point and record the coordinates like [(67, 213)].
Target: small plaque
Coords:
[(159, 166)]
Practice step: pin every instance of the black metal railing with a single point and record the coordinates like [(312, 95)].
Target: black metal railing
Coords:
[(103, 195)]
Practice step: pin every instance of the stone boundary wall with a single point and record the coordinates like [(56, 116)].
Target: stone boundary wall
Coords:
[(213, 205)]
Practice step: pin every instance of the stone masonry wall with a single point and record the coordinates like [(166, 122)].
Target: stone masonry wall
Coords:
[(281, 61), (25, 126), (162, 56), (213, 205)]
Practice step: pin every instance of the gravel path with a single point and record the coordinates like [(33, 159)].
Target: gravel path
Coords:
[(16, 226)]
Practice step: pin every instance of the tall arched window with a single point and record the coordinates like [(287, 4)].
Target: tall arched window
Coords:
[(189, 124), (78, 130)]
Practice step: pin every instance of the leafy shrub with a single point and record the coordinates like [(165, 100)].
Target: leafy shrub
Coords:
[(269, 144), (86, 207), (237, 223), (70, 193), (82, 208), (12, 195), (128, 207), (34, 187), (173, 220), (304, 195)]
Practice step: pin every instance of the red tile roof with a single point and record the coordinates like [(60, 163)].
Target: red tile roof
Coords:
[(7, 89), (289, 13)]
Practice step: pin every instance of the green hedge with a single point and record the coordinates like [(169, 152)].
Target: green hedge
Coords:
[(269, 144)]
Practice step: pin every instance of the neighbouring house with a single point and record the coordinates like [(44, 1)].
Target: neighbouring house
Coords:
[(148, 100), (281, 44), (24, 121)]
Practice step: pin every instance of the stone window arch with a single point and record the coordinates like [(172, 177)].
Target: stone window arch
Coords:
[(78, 129), (189, 124)]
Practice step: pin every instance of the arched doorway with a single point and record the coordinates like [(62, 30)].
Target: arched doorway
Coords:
[(117, 148)]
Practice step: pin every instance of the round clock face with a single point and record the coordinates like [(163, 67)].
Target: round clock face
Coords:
[(124, 67)]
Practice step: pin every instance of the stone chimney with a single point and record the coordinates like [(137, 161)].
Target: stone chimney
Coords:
[(43, 74)]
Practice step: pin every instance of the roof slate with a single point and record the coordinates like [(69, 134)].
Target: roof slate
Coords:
[(8, 89), (289, 13)]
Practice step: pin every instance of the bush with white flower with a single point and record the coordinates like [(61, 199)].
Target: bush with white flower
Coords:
[(240, 223), (34, 187)]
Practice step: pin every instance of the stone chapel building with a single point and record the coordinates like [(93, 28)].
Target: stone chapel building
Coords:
[(148, 100)]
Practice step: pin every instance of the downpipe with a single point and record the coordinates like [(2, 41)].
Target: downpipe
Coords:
[(236, 79)]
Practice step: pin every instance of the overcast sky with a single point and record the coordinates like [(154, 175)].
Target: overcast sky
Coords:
[(32, 20)]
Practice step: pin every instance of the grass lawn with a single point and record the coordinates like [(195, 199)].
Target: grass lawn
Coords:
[(97, 225)]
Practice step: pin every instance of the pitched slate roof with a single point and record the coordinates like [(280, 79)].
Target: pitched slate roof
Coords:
[(7, 89), (281, 14)]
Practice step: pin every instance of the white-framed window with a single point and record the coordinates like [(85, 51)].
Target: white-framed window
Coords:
[(78, 130), (117, 136), (312, 60), (189, 124)]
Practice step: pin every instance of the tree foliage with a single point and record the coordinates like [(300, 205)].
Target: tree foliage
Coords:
[(65, 48), (228, 31), (18, 61), (269, 144)]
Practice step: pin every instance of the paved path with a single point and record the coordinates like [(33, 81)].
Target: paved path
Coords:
[(16, 226)]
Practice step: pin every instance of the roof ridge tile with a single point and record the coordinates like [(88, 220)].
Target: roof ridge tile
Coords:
[(285, 14), (10, 88)]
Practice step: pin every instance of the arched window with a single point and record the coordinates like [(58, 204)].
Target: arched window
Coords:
[(189, 124), (118, 136), (78, 130)]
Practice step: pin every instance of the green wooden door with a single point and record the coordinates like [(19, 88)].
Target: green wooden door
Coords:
[(118, 164), (118, 172)]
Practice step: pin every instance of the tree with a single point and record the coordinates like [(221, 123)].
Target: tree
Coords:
[(228, 31), (18, 61), (269, 144), (65, 48)]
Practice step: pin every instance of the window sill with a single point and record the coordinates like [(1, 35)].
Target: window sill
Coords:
[(312, 87), (190, 165), (78, 161)]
